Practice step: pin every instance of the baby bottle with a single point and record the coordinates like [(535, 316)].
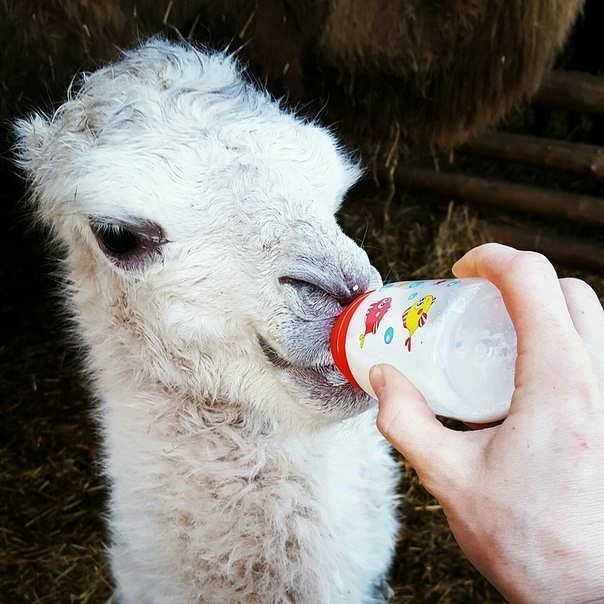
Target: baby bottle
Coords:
[(453, 338)]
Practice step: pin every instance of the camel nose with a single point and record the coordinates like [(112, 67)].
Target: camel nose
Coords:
[(341, 280)]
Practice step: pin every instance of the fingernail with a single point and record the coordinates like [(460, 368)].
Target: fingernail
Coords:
[(376, 378)]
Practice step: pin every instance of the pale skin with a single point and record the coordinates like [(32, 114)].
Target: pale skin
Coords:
[(524, 499)]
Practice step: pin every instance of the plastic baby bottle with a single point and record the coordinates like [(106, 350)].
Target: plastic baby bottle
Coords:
[(453, 338)]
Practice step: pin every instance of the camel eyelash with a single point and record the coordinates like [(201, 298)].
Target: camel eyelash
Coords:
[(128, 245)]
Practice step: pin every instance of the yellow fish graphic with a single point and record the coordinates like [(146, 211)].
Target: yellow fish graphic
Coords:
[(415, 317)]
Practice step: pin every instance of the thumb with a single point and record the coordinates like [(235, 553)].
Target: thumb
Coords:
[(436, 453)]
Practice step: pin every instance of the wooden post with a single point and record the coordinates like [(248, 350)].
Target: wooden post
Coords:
[(569, 251), (572, 157), (573, 91), (504, 195)]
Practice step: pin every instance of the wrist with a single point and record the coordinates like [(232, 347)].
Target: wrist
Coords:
[(528, 561), (544, 568)]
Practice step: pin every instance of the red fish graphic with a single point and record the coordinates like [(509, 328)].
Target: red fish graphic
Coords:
[(375, 313)]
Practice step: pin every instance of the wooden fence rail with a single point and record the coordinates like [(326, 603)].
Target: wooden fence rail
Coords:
[(504, 195), (570, 251), (571, 157), (572, 91), (566, 90)]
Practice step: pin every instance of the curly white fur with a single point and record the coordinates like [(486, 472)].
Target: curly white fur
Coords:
[(242, 467)]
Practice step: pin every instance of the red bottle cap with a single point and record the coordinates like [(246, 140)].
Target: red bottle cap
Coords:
[(338, 339)]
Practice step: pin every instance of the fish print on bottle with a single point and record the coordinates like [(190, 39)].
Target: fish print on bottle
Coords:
[(374, 316)]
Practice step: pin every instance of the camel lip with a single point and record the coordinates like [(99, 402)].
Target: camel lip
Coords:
[(272, 355), (282, 363), (324, 385)]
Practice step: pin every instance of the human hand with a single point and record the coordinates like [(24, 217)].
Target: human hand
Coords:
[(524, 499)]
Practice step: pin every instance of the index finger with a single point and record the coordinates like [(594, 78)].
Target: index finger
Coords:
[(533, 297)]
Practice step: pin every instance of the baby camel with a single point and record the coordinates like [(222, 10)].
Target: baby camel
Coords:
[(205, 269)]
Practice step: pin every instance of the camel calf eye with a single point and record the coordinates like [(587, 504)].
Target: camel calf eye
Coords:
[(128, 246), (117, 239)]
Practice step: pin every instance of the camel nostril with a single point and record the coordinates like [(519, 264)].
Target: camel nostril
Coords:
[(346, 297), (338, 291), (304, 288), (354, 287)]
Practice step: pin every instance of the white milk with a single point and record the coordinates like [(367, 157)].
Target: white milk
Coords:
[(453, 338)]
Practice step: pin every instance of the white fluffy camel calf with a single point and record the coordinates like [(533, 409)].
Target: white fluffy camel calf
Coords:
[(205, 271)]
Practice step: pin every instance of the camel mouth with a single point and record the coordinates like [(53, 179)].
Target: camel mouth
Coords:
[(282, 363), (323, 382), (272, 355)]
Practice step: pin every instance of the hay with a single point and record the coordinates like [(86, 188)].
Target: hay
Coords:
[(51, 498)]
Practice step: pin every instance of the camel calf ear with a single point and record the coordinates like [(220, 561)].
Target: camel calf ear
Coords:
[(31, 135), (34, 151)]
